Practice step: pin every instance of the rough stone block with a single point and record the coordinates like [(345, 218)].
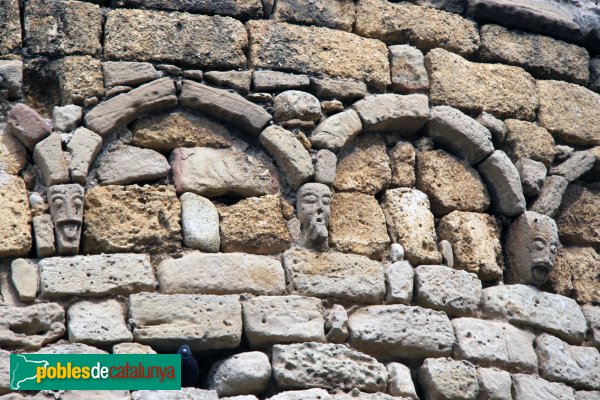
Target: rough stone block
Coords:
[(527, 140), (25, 124), (328, 366), (402, 163), (550, 196), (444, 378), (29, 328), (578, 216), (275, 81), (339, 14), (501, 90), (532, 174), (575, 274), (66, 118), (405, 114), (592, 315), (49, 157), (199, 223), (496, 127), (11, 72), (84, 146), (344, 277), (325, 167), (595, 74), (242, 373), (400, 381), (15, 218), (79, 78), (95, 276), (185, 393), (576, 165), (407, 66), (272, 320), (336, 130), (585, 395), (494, 384), (528, 387), (98, 322), (318, 51), (24, 276), (401, 331), (241, 9), (123, 73), (10, 38), (309, 394), (132, 348), (342, 89), (504, 184), (223, 273), (237, 80), (399, 279), (4, 372), (13, 154), (206, 321), (125, 165)]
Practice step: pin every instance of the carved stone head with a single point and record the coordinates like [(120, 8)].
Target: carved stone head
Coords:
[(531, 247), (66, 208), (313, 207)]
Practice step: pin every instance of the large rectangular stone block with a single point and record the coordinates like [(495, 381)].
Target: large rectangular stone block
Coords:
[(319, 51), (204, 322), (10, 22), (15, 217), (141, 35), (335, 14), (243, 9)]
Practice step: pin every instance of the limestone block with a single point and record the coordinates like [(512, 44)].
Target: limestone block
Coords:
[(24, 275), (49, 157), (525, 305), (402, 163), (199, 223), (342, 89), (124, 165), (501, 90), (475, 240), (309, 394), (336, 130), (400, 381), (504, 184), (399, 279), (123, 109), (184, 393), (98, 322), (29, 328), (4, 372), (325, 167), (532, 174), (25, 124), (336, 324), (494, 384), (66, 118), (411, 224), (496, 127), (356, 394), (528, 387), (84, 146), (144, 35), (272, 320), (241, 9), (407, 66), (405, 114), (578, 216), (222, 273), (64, 347), (317, 51), (527, 140), (444, 378), (275, 81), (423, 27), (205, 321), (585, 395), (592, 315), (243, 373), (446, 289), (79, 78), (575, 274), (11, 72), (401, 331), (295, 104), (345, 277), (10, 39), (95, 276), (494, 344), (15, 219), (576, 165), (124, 73), (327, 366), (132, 348), (13, 154), (237, 80), (339, 15), (550, 196)]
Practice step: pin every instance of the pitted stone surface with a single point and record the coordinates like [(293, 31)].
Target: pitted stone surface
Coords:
[(400, 381), (504, 184), (401, 331), (206, 321), (272, 320), (328, 13), (13, 154), (242, 373), (592, 315), (578, 216), (393, 112), (222, 273), (399, 278), (328, 366), (336, 130), (295, 104), (24, 276), (342, 89), (345, 277), (525, 305), (15, 231), (10, 39), (446, 289), (242, 9), (408, 69), (576, 165), (527, 140), (444, 378), (83, 147), (29, 328), (49, 157), (132, 348), (98, 322), (550, 197), (275, 81), (25, 124), (79, 78), (125, 165), (575, 274), (494, 344), (532, 174), (309, 394), (95, 276), (187, 393), (66, 118), (528, 387), (131, 218), (494, 384), (402, 163)]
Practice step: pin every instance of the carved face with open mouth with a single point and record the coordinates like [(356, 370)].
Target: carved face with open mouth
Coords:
[(313, 206), (66, 207)]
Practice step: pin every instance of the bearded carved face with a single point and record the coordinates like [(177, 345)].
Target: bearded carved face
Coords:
[(66, 208), (313, 207)]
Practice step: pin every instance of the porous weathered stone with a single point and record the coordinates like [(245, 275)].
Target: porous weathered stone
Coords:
[(143, 35), (295, 104), (400, 382), (342, 89), (269, 234), (123, 109), (494, 384), (237, 80), (363, 166), (532, 174), (402, 163), (494, 344), (15, 218), (275, 81), (43, 231), (407, 66), (328, 366), (206, 321), (527, 140), (79, 78), (501, 90), (62, 27), (95, 276), (309, 394), (570, 112), (494, 125), (399, 279), (288, 153), (444, 378), (64, 347), (11, 72), (437, 174), (460, 134), (25, 124), (228, 273), (528, 387), (66, 118), (123, 73), (401, 331), (272, 320), (335, 14), (503, 183), (124, 165), (575, 274), (336, 130), (578, 216), (344, 277), (49, 157), (525, 305), (475, 240), (29, 328), (98, 322), (318, 51), (576, 165), (405, 114), (592, 315), (356, 394), (336, 324), (24, 276), (325, 167), (242, 373), (224, 106), (132, 348), (199, 223), (5, 372), (186, 393), (13, 154), (542, 56), (550, 196), (410, 223), (445, 248), (84, 146), (241, 9), (358, 225), (425, 28), (10, 39)]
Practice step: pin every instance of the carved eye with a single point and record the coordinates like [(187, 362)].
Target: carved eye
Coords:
[(310, 198), (538, 245), (77, 202), (326, 200), (553, 248), (58, 202)]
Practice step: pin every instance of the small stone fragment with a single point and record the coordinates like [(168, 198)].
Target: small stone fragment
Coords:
[(399, 279), (405, 114), (503, 183), (527, 140), (325, 167), (336, 130), (199, 223), (84, 146), (243, 373), (444, 378), (494, 125), (494, 384), (400, 382), (238, 80), (124, 73), (576, 165), (24, 123), (550, 196), (396, 252), (407, 65), (402, 163), (332, 106), (43, 231), (294, 104), (445, 249), (24, 275), (343, 89), (15, 218), (97, 322), (66, 118), (336, 324), (532, 174), (274, 81)]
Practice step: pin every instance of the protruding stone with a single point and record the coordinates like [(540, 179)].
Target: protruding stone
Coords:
[(444, 378), (407, 65), (496, 127), (326, 366), (575, 274), (504, 184), (576, 165), (24, 123), (24, 275), (399, 279), (13, 154), (294, 104), (411, 224), (445, 248), (392, 112), (29, 328), (199, 223), (79, 78), (11, 72), (532, 174), (400, 381), (396, 252), (528, 387), (242, 373), (84, 146), (237, 80), (66, 118), (98, 322), (339, 15), (272, 320), (592, 315), (342, 89), (550, 196), (401, 331), (274, 81), (527, 140), (336, 130), (336, 324), (313, 206), (578, 216), (66, 208), (10, 40), (326, 167), (494, 384), (345, 277), (132, 348), (15, 218), (402, 163), (223, 273), (49, 158), (525, 305), (43, 231), (125, 165), (123, 73)]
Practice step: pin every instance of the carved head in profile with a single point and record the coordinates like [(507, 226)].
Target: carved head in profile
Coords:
[(531, 246), (66, 207), (313, 207)]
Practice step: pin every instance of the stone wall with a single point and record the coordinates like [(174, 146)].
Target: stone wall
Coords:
[(331, 199)]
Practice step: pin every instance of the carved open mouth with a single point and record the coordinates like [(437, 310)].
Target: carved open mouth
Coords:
[(69, 228), (540, 271)]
